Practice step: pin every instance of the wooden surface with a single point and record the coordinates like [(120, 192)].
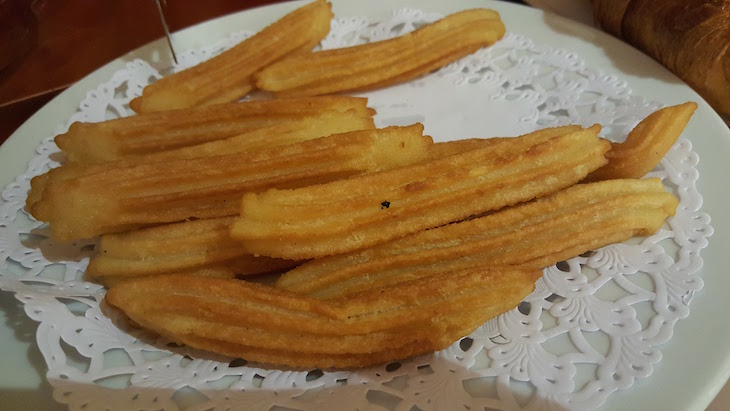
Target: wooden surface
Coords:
[(54, 43)]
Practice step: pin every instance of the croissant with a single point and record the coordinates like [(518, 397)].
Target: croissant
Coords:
[(689, 37)]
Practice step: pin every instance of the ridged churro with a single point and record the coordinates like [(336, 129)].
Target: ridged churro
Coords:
[(264, 324), (448, 148), (154, 132), (362, 211), (646, 144), (385, 62), (532, 235), (122, 198), (286, 133), (227, 77), (175, 248), (642, 150)]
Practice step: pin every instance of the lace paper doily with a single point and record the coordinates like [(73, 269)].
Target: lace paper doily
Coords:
[(593, 326)]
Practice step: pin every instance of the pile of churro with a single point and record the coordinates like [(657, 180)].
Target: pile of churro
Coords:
[(385, 244)]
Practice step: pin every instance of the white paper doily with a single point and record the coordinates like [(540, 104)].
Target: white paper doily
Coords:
[(593, 326)]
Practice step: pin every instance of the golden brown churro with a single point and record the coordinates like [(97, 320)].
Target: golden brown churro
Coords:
[(122, 198), (447, 148), (149, 133), (264, 324), (646, 144), (345, 215), (385, 62), (227, 77), (532, 235), (175, 248), (290, 132)]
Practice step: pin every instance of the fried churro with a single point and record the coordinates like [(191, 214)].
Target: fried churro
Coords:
[(122, 198), (362, 211), (227, 77), (286, 133), (448, 148), (265, 324), (385, 62), (646, 144), (175, 248), (532, 235), (154, 132)]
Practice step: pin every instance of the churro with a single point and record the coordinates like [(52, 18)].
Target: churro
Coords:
[(342, 216), (646, 144), (264, 324), (175, 248), (532, 235), (290, 132), (227, 77), (385, 62), (154, 132), (127, 197)]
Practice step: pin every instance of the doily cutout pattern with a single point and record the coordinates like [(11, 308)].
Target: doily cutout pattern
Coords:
[(593, 325)]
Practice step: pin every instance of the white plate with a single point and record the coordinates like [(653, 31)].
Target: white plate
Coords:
[(696, 361)]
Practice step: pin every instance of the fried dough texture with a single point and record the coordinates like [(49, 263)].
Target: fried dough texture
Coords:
[(534, 235), (154, 132), (342, 216), (385, 62), (283, 134), (127, 197), (646, 144), (174, 248), (263, 324), (227, 77), (448, 148)]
